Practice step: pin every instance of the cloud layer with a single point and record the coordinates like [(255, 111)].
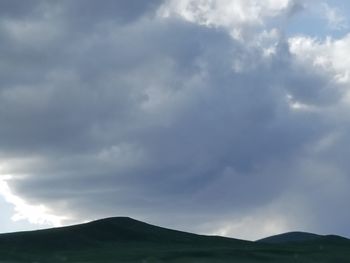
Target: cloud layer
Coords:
[(163, 112)]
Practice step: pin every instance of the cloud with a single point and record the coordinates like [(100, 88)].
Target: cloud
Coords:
[(336, 20), (35, 214), (239, 17), (329, 55), (159, 112)]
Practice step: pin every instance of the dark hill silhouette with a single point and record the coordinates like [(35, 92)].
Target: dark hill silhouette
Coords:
[(290, 237), (122, 239), (304, 237), (104, 231)]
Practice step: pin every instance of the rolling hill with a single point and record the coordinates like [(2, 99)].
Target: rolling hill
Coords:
[(290, 237), (122, 239)]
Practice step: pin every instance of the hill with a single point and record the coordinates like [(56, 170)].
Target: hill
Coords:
[(290, 237), (122, 239), (304, 238), (97, 233)]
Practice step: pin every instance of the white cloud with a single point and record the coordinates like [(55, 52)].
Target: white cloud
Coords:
[(35, 214), (335, 18), (330, 55), (237, 16)]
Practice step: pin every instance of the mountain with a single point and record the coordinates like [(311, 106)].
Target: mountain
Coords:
[(122, 239), (304, 238), (290, 237), (100, 232)]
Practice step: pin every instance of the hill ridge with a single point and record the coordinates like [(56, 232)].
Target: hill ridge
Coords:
[(124, 239), (111, 229), (299, 236)]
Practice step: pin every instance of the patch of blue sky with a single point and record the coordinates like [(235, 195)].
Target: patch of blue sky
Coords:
[(7, 224), (320, 20), (326, 19)]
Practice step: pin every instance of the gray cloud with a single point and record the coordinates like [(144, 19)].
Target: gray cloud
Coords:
[(118, 111)]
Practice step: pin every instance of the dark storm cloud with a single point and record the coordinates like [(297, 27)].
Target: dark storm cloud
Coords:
[(88, 11), (18, 8), (150, 116), (91, 12)]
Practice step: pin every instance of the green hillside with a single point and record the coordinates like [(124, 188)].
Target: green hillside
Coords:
[(123, 239)]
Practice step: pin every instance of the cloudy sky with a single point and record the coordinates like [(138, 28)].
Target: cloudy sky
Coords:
[(227, 117)]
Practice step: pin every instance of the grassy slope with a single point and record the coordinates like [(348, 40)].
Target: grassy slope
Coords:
[(127, 240)]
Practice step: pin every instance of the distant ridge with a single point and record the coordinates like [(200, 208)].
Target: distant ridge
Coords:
[(123, 239), (298, 237), (290, 237)]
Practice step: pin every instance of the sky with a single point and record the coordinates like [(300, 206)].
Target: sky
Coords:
[(226, 117)]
